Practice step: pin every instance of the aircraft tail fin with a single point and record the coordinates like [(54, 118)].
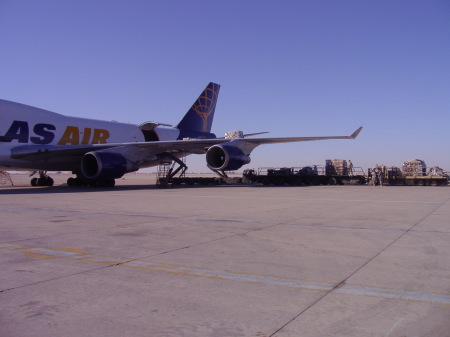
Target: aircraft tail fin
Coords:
[(199, 118)]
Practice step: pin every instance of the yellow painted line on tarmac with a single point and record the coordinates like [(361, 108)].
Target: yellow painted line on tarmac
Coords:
[(309, 285)]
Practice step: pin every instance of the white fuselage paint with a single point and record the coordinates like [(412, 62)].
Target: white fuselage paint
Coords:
[(22, 125)]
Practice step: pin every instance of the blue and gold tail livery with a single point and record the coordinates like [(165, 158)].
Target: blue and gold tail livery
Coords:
[(198, 120)]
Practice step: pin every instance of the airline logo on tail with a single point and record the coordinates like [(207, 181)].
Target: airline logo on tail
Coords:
[(206, 104), (200, 116)]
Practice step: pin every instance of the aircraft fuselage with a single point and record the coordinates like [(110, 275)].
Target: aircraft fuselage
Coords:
[(21, 125)]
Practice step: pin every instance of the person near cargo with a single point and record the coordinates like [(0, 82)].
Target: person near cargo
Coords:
[(350, 168), (375, 175), (380, 176)]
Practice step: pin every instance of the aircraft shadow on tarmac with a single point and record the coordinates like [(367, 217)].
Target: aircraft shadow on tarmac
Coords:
[(66, 189), (61, 189)]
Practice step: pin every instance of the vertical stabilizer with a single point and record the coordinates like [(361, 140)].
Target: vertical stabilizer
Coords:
[(199, 118)]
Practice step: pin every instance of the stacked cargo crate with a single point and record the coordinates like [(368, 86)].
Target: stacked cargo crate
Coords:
[(414, 167), (336, 167), (437, 171)]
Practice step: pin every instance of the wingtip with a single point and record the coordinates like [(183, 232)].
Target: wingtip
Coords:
[(356, 133)]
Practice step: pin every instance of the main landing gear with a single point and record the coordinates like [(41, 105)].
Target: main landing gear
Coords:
[(80, 181), (43, 180)]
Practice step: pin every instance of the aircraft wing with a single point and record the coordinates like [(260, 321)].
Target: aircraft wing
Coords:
[(44, 152), (201, 145), (260, 141), (250, 143), (197, 146)]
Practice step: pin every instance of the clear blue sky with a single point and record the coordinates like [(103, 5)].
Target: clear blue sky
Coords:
[(294, 68)]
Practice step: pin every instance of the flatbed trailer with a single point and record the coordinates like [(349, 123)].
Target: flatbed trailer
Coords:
[(394, 176), (309, 175), (419, 181)]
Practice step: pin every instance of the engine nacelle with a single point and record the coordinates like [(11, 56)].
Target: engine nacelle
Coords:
[(224, 157), (103, 165)]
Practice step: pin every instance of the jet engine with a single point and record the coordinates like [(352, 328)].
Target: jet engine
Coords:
[(103, 165), (225, 157)]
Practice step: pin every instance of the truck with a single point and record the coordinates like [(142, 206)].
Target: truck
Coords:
[(335, 172)]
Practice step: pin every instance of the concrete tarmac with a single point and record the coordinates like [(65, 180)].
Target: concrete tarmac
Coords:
[(227, 261)]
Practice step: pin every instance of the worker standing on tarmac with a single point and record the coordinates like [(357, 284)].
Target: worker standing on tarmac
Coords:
[(374, 175), (380, 176), (350, 167)]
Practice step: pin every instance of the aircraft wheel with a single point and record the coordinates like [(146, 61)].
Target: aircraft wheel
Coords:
[(49, 181), (34, 182), (106, 182), (111, 182), (82, 182), (93, 183)]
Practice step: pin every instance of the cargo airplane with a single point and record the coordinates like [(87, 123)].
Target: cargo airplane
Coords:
[(98, 152)]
